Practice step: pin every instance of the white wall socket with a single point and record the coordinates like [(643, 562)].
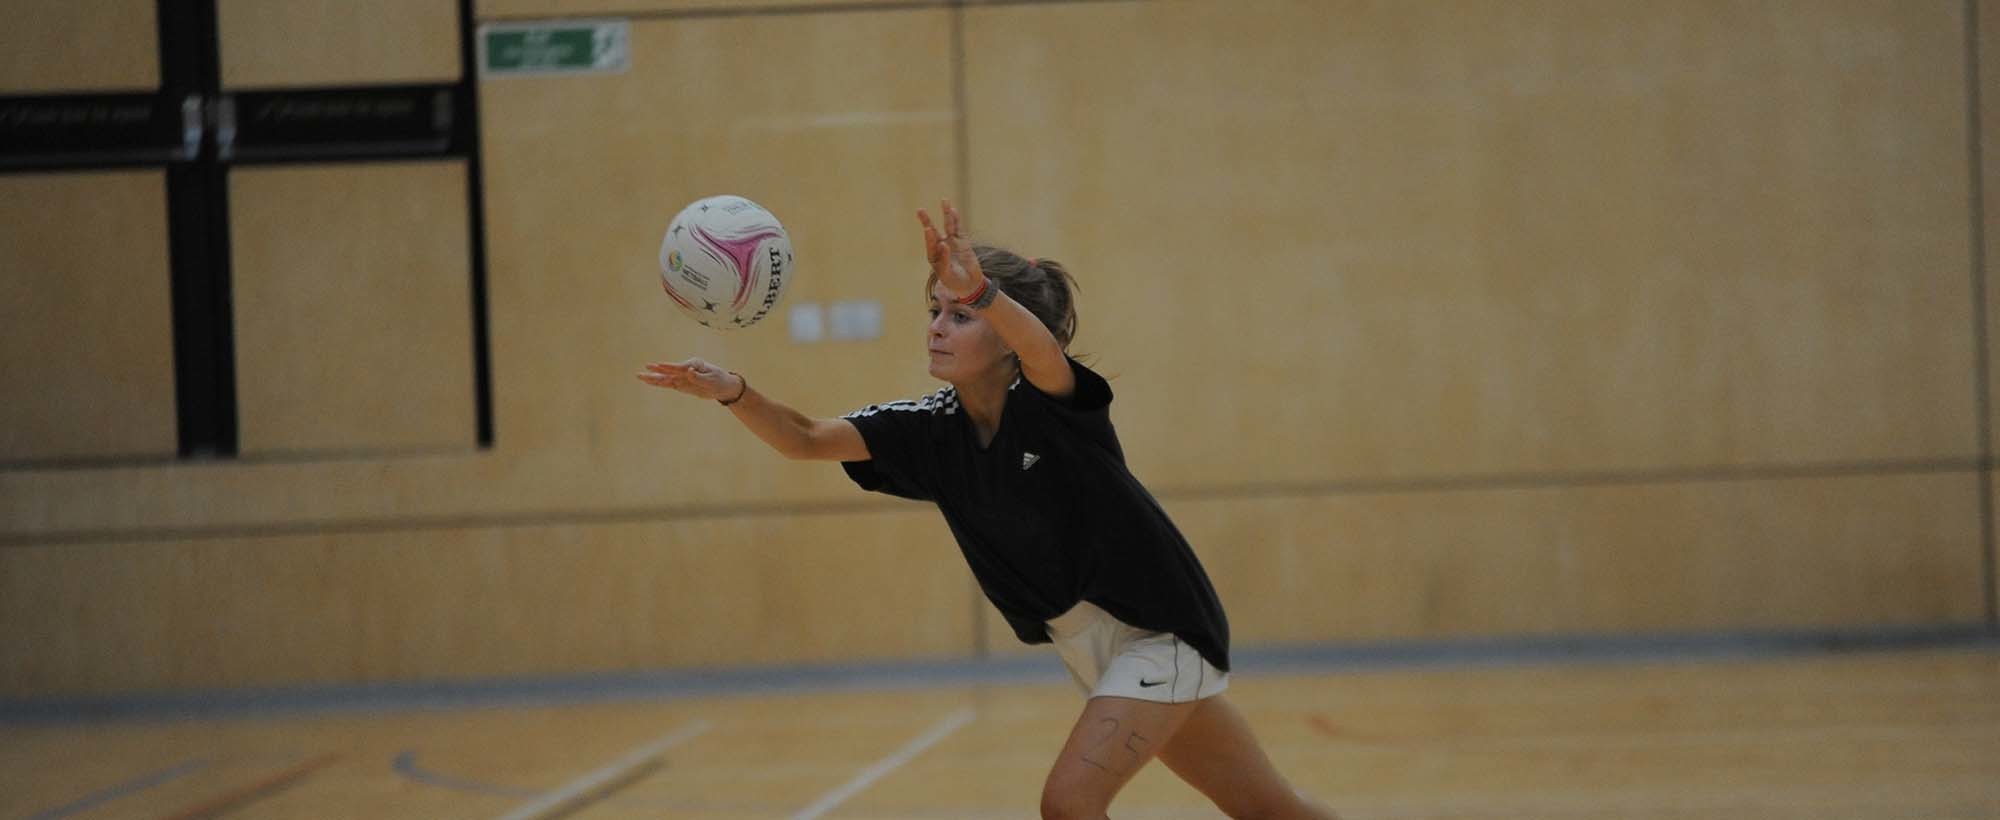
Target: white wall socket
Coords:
[(854, 320), (807, 322)]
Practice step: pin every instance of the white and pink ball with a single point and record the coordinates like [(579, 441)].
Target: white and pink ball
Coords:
[(725, 261)]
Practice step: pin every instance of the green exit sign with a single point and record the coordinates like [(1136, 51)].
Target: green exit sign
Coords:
[(566, 47)]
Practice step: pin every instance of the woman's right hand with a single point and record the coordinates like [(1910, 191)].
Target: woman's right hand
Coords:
[(952, 258), (695, 378)]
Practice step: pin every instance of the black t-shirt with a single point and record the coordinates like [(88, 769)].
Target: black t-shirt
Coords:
[(1047, 514)]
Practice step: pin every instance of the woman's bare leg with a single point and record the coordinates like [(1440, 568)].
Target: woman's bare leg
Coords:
[(1110, 742), (1215, 752)]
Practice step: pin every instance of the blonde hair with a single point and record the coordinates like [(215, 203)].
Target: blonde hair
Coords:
[(1043, 286)]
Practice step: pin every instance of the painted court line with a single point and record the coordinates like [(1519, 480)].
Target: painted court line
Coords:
[(607, 778), (406, 765), (951, 723), (125, 789), (253, 791)]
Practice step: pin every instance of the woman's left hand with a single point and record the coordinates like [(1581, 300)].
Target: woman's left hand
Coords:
[(696, 378), (951, 257)]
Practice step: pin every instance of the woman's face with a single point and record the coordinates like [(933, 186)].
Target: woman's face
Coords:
[(963, 347)]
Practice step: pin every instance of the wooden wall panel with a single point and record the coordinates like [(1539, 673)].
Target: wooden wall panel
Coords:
[(1319, 242), (277, 43), (86, 318), (353, 307), (573, 8), (1723, 556), (57, 46), (1988, 45), (841, 139), (1454, 238), (440, 604)]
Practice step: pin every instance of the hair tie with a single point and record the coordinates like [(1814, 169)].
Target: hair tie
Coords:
[(1032, 261)]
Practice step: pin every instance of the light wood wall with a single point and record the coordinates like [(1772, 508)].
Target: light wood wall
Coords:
[(268, 44), (86, 335), (353, 296), (1426, 321), (478, 601), (1988, 116), (79, 46)]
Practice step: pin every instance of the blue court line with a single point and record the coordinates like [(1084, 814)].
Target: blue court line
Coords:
[(1536, 650), (125, 789), (1040, 667), (540, 691), (406, 765)]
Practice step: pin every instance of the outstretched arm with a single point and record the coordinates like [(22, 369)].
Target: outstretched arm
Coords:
[(1043, 362), (791, 433)]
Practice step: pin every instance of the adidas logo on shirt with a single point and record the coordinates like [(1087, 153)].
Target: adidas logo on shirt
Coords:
[(1028, 460)]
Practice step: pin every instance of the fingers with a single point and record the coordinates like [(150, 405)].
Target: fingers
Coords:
[(666, 375), (950, 226), (941, 248), (663, 374), (657, 380), (694, 376), (932, 250), (684, 384), (954, 231), (689, 366), (951, 219)]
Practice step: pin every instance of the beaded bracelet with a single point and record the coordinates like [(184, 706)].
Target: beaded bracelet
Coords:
[(739, 394)]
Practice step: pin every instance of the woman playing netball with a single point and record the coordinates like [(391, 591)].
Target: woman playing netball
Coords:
[(1020, 456)]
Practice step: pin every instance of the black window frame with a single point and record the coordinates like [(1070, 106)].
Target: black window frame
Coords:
[(196, 131)]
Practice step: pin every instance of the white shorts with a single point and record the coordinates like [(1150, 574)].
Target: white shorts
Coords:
[(1106, 656)]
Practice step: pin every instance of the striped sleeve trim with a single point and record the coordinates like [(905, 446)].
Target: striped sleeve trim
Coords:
[(943, 402)]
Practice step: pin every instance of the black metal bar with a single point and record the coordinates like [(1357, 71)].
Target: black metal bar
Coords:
[(465, 141), (204, 341), (198, 244), (64, 131), (330, 124), (195, 134)]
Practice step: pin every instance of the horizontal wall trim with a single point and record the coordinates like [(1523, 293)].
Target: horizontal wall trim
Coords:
[(1480, 482), (1259, 490), (171, 460), (364, 526), (1040, 667), (780, 8), (772, 10)]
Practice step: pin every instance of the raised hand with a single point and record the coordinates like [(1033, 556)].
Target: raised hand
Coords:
[(695, 378), (951, 257)]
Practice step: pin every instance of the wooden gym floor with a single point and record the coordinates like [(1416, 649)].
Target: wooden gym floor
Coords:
[(1875, 735)]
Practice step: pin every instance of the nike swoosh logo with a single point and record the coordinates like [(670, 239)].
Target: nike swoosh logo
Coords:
[(1151, 683)]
